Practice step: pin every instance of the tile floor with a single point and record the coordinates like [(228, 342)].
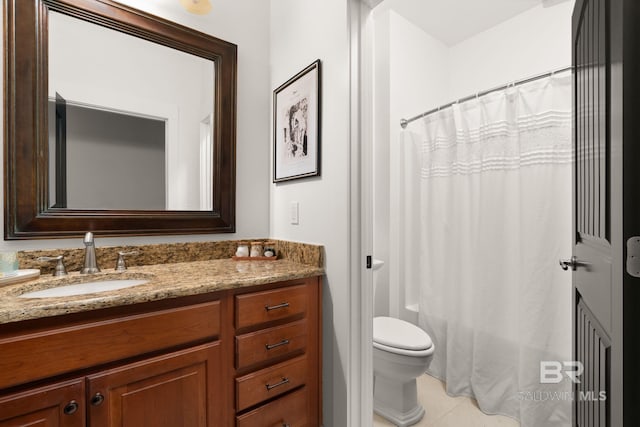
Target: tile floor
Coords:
[(443, 410)]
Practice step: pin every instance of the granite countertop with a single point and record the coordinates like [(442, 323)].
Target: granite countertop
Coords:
[(165, 281)]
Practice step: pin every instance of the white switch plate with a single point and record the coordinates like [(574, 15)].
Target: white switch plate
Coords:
[(294, 210)]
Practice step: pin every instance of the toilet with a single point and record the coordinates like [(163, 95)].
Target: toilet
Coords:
[(401, 353)]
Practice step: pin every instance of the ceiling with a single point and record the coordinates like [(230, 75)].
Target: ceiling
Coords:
[(452, 21)]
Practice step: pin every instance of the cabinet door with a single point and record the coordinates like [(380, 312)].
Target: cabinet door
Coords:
[(178, 389), (60, 404)]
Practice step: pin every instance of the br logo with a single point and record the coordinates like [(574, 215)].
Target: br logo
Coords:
[(552, 371)]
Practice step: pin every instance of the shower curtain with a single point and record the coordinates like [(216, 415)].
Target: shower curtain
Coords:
[(485, 208)]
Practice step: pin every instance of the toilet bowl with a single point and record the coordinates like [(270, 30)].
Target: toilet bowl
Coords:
[(401, 353)]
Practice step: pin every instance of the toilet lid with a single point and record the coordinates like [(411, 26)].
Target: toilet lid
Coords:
[(400, 334)]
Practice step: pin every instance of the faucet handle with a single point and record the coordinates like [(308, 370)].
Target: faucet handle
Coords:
[(60, 269), (120, 264)]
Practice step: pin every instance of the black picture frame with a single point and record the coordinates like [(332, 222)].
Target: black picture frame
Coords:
[(296, 126)]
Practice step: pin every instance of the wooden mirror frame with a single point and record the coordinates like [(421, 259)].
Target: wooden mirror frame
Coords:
[(26, 184)]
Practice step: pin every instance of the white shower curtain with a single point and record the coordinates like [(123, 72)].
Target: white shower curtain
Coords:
[(486, 214)]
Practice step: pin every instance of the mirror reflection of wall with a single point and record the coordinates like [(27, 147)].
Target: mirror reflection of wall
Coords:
[(114, 161), (160, 94)]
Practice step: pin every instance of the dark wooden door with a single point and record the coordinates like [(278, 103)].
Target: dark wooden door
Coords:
[(57, 405), (593, 285), (178, 389), (606, 210)]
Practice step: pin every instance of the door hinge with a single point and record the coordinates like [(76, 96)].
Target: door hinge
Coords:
[(369, 261), (633, 256)]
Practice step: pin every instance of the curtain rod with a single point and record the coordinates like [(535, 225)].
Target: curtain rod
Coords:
[(405, 122)]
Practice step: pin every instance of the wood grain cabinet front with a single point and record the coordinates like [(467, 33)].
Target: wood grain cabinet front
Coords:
[(247, 356), (278, 356), (155, 365), (290, 410), (178, 389), (258, 308), (28, 357), (56, 405), (271, 343), (271, 382)]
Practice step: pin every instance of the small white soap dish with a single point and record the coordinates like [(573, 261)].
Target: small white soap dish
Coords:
[(20, 276)]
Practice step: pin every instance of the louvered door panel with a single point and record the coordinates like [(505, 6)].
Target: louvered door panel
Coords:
[(593, 288), (592, 349), (591, 123)]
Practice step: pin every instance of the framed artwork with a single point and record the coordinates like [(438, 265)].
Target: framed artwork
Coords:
[(296, 126)]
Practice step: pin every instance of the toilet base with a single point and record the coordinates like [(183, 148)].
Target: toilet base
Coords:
[(397, 401)]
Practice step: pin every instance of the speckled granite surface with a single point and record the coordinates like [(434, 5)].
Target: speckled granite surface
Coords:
[(167, 253), (168, 280), (173, 270)]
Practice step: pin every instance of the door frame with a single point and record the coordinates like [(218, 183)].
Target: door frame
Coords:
[(360, 389)]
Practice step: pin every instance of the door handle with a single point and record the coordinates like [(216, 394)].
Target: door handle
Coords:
[(573, 263)]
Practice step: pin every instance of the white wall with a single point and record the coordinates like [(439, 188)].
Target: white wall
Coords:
[(531, 43), (381, 164), (411, 66), (114, 161), (415, 73), (419, 67), (301, 32), (244, 23)]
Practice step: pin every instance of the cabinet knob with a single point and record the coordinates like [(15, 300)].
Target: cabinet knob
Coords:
[(285, 425), (71, 408), (97, 399)]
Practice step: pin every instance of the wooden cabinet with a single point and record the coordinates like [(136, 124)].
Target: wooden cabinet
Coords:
[(259, 308), (35, 352), (278, 356), (165, 391), (288, 410), (178, 389), (55, 405), (271, 344), (247, 357)]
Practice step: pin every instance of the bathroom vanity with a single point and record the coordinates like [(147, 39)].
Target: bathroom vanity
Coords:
[(205, 343)]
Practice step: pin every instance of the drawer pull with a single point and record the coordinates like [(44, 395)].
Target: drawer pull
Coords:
[(97, 399), (275, 307), (278, 344), (285, 425), (272, 386), (71, 408)]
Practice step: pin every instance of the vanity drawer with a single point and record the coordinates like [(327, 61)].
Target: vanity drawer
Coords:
[(261, 385), (262, 307), (291, 410), (267, 344), (29, 357)]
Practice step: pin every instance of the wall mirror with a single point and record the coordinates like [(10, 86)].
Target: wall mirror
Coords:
[(127, 129)]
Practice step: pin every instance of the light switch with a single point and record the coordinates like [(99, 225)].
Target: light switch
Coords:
[(294, 209)]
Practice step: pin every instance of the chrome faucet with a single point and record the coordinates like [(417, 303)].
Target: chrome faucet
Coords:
[(90, 262)]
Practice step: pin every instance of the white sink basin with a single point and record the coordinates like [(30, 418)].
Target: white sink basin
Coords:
[(85, 288)]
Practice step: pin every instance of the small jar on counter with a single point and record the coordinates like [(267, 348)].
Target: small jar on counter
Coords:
[(269, 249), (243, 249), (256, 249)]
